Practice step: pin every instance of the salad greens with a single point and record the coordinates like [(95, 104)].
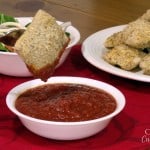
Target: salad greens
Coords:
[(67, 33), (3, 48), (5, 18)]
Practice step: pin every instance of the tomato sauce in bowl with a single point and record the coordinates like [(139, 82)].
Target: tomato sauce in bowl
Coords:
[(65, 102)]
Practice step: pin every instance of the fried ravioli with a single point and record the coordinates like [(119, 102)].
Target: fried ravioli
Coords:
[(127, 47), (145, 64), (124, 56), (114, 40), (137, 34)]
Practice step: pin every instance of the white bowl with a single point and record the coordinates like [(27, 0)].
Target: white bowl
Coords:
[(11, 64), (65, 130)]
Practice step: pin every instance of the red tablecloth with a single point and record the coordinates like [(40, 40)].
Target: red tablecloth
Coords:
[(129, 130)]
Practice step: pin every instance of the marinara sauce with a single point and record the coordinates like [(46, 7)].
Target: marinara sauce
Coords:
[(65, 102)]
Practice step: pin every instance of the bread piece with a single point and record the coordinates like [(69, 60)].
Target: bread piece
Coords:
[(42, 45)]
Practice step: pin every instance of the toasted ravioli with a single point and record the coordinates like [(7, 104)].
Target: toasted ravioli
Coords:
[(42, 45), (145, 64), (137, 34), (114, 40), (124, 56), (127, 47), (146, 15)]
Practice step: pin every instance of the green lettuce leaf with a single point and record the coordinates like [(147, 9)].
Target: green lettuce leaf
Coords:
[(67, 33), (3, 48), (5, 18)]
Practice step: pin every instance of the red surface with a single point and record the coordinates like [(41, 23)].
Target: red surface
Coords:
[(129, 130)]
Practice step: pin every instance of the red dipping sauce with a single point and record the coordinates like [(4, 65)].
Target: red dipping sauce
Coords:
[(65, 102)]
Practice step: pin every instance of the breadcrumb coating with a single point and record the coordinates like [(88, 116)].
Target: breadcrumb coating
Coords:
[(124, 56), (137, 34), (145, 64), (114, 40), (146, 16)]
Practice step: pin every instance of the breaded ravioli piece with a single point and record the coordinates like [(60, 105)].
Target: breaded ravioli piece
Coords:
[(145, 64), (137, 34), (114, 40), (124, 56), (42, 45), (146, 16)]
